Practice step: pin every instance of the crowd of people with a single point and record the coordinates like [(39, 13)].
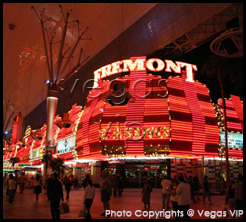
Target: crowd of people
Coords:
[(53, 186), (177, 192), (181, 191)]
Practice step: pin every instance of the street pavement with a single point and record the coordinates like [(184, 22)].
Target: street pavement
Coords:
[(128, 206)]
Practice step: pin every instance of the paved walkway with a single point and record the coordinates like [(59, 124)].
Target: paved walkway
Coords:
[(25, 206)]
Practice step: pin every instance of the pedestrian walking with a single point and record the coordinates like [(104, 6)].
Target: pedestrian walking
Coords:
[(196, 188), (55, 194), (89, 196), (37, 186), (120, 185), (206, 190), (7, 184), (166, 189), (75, 181), (67, 184), (16, 178), (230, 193), (45, 183), (115, 185), (105, 189), (32, 182), (174, 179), (87, 177), (147, 189), (238, 195), (71, 179), (184, 196), (190, 181), (11, 188), (22, 181), (174, 197)]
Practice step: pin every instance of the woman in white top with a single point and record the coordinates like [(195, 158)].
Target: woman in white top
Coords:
[(88, 198), (183, 192)]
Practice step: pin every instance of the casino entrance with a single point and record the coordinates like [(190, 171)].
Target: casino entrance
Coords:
[(135, 174)]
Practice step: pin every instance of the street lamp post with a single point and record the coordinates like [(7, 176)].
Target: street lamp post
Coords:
[(59, 74), (51, 102), (235, 36), (225, 124)]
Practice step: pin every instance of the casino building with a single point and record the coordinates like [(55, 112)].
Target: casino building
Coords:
[(143, 119)]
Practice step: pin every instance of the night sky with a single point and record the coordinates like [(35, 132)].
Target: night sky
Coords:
[(231, 69)]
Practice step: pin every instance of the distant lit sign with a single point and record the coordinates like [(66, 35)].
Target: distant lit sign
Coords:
[(235, 140), (34, 154), (40, 155), (28, 131), (66, 145)]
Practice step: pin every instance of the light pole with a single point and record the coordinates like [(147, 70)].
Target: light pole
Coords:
[(51, 102), (235, 49), (58, 76), (225, 124)]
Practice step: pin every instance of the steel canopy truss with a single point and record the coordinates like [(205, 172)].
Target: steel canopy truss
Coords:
[(201, 33)]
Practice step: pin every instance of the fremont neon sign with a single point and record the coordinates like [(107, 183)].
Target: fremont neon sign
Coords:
[(153, 64)]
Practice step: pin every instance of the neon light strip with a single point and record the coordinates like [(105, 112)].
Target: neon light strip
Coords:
[(67, 132), (233, 122), (85, 145), (85, 137), (135, 111), (198, 120), (94, 137), (212, 132), (235, 153), (181, 129), (157, 109), (238, 106)]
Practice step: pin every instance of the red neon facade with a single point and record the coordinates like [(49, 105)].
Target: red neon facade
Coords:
[(234, 117), (193, 120), (87, 141), (186, 113), (37, 148), (135, 111), (174, 119), (238, 106), (15, 129), (69, 132), (23, 153), (233, 121)]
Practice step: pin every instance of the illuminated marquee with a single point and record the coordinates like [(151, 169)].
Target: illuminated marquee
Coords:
[(36, 153), (66, 145), (154, 64), (134, 133)]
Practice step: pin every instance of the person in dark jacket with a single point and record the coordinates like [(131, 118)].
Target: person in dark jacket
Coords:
[(55, 194), (87, 178), (147, 189), (206, 190), (120, 185), (68, 185)]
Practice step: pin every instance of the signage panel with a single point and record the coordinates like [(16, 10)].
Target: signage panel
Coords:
[(66, 145), (235, 140)]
